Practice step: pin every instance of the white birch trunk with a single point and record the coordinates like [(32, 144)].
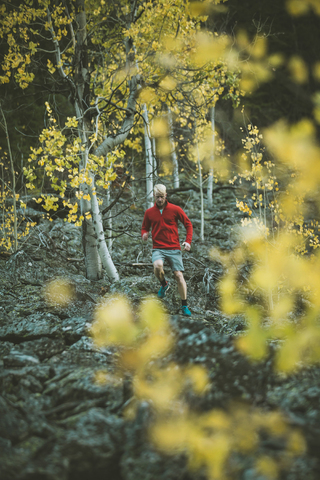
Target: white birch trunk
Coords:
[(94, 243), (89, 240), (109, 220), (201, 197), (176, 181), (210, 178), (149, 158), (154, 162), (104, 254)]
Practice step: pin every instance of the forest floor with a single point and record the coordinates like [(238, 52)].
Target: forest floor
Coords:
[(56, 422)]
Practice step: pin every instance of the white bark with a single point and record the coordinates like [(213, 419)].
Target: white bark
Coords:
[(154, 164), (176, 182), (210, 178), (94, 243), (201, 196), (109, 220), (106, 259), (92, 257), (149, 158)]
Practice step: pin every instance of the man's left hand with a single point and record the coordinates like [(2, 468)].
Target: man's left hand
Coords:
[(186, 246)]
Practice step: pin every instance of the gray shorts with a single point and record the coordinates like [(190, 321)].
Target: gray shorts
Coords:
[(173, 257)]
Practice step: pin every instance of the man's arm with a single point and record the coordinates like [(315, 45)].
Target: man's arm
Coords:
[(145, 227), (188, 226)]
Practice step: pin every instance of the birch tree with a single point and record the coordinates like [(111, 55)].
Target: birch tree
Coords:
[(175, 165), (87, 114), (149, 158), (210, 176), (89, 49)]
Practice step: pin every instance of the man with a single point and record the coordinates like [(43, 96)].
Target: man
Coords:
[(163, 219)]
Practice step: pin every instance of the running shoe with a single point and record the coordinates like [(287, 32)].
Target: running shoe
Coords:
[(163, 290), (185, 311)]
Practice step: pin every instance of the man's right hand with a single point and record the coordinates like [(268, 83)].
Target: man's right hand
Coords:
[(145, 237)]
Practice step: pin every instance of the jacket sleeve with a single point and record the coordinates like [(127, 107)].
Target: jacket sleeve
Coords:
[(187, 224), (145, 224)]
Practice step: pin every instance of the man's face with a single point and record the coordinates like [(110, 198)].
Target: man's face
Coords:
[(160, 199)]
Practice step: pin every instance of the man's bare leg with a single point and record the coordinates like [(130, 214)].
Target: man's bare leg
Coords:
[(182, 286), (159, 273), (158, 270)]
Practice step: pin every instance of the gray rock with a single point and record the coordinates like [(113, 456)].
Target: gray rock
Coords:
[(31, 327), (17, 359)]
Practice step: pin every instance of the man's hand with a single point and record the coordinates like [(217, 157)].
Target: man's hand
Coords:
[(145, 237), (186, 246)]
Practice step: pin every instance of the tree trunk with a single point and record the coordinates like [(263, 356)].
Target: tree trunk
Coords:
[(94, 243), (154, 165), (13, 190), (210, 178), (104, 254), (89, 240), (201, 196), (176, 182), (109, 219), (149, 159)]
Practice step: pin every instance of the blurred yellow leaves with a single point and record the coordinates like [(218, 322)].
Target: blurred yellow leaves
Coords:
[(199, 8), (159, 127), (149, 334), (278, 277), (160, 130), (209, 48), (59, 292), (298, 69), (267, 467), (114, 324), (145, 338), (147, 95), (295, 146), (209, 438), (168, 83), (276, 241), (302, 7)]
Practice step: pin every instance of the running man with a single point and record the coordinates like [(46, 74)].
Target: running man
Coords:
[(163, 219)]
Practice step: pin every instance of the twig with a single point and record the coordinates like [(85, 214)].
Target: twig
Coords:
[(171, 191), (105, 210)]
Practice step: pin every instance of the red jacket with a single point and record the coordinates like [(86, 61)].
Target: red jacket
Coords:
[(164, 227)]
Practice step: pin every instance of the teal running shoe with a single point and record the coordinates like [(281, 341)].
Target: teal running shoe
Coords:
[(185, 311), (163, 290)]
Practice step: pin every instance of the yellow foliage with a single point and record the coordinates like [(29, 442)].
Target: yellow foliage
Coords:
[(59, 292), (147, 95), (302, 7), (168, 83), (298, 69), (159, 127), (267, 467), (207, 438), (209, 48), (113, 323)]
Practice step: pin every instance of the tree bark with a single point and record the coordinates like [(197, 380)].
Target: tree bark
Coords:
[(210, 178), (176, 182), (96, 250), (201, 196), (149, 158)]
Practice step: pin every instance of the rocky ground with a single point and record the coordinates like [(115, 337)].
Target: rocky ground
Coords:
[(56, 422)]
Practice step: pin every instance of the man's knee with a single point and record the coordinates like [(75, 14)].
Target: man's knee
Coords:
[(178, 276), (158, 267)]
